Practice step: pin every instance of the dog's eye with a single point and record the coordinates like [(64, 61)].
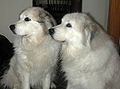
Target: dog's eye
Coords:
[(27, 19), (68, 25)]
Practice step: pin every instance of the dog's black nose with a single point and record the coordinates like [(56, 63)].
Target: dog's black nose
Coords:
[(51, 31), (12, 28)]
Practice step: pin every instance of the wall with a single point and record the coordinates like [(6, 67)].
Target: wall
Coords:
[(9, 12), (10, 9), (98, 9)]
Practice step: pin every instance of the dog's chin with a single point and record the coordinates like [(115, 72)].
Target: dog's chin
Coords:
[(58, 40)]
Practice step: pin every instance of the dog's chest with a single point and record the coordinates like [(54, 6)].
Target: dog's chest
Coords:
[(72, 65), (35, 61)]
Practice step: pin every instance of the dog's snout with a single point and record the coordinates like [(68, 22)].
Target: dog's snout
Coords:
[(51, 31), (12, 28)]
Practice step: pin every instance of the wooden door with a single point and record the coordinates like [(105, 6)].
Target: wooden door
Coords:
[(114, 19)]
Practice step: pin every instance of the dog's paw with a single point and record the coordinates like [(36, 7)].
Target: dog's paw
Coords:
[(53, 86)]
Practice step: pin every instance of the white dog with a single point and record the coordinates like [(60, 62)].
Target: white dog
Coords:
[(90, 59), (35, 51)]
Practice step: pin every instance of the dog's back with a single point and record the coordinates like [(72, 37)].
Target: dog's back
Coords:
[(107, 60)]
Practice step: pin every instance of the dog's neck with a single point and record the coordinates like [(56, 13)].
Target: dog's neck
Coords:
[(74, 50), (76, 44), (29, 43), (71, 54)]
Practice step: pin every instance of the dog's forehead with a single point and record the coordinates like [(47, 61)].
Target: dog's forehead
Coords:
[(75, 17), (31, 12)]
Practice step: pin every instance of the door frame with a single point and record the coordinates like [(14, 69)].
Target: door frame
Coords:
[(114, 19)]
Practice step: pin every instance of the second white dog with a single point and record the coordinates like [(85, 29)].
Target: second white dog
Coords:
[(89, 57), (35, 51)]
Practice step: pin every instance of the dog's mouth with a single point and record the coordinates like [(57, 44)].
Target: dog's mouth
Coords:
[(52, 36), (60, 41), (23, 36), (14, 32), (26, 35)]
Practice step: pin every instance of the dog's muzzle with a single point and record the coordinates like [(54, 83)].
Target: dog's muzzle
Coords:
[(51, 31), (12, 28)]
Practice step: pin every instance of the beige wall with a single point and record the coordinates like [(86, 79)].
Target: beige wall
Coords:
[(10, 9), (9, 12), (98, 9)]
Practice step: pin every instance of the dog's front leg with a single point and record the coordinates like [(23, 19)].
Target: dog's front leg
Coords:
[(23, 72), (47, 81), (23, 79), (69, 86)]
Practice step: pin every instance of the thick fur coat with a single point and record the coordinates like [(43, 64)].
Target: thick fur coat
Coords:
[(88, 54), (36, 52)]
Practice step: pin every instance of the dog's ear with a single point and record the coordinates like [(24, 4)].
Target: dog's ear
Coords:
[(48, 19), (90, 30)]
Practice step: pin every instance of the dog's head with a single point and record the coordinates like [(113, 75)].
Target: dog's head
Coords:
[(32, 22), (75, 27)]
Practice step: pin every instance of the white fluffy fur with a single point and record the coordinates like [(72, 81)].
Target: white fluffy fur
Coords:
[(90, 59), (35, 52)]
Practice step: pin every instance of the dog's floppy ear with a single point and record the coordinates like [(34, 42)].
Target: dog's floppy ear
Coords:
[(90, 30), (49, 21), (47, 18)]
